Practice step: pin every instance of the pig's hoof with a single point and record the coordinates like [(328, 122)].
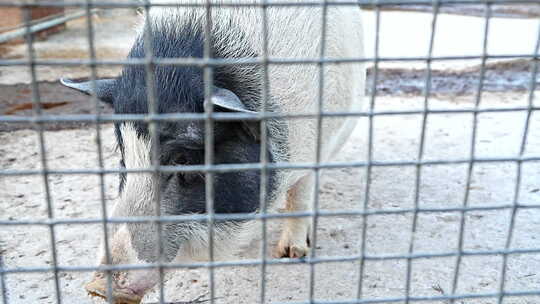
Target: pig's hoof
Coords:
[(288, 249)]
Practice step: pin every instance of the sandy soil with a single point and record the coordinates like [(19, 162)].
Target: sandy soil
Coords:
[(395, 138)]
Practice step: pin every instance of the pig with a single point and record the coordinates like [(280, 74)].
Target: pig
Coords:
[(293, 32)]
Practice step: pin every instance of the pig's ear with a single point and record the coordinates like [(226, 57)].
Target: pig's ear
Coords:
[(225, 99), (104, 88)]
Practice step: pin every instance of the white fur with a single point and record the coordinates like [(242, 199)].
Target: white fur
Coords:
[(140, 189)]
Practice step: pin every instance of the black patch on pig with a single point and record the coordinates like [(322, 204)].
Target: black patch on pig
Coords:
[(180, 89)]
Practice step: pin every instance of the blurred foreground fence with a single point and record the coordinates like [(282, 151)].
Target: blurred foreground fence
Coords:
[(88, 7)]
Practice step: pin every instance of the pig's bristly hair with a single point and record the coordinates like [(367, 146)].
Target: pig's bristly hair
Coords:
[(176, 88), (181, 88)]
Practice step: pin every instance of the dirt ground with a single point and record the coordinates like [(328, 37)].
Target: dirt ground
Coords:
[(396, 138)]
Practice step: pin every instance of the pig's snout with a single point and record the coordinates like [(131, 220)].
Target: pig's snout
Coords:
[(130, 285), (127, 288)]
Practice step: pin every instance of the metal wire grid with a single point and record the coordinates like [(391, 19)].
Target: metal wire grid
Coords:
[(264, 166)]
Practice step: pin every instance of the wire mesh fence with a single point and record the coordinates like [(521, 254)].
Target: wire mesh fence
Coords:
[(506, 263)]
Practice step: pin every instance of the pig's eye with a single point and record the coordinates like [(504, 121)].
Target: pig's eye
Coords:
[(179, 161), (188, 178), (185, 178)]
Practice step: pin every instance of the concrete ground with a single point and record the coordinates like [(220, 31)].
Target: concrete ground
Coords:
[(396, 138)]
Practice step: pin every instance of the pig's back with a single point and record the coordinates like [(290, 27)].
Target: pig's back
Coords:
[(292, 33)]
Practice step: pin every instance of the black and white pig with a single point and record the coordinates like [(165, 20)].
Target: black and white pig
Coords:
[(293, 33)]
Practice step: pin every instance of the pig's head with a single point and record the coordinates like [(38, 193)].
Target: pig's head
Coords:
[(177, 90)]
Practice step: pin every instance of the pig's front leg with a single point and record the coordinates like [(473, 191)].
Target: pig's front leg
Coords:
[(294, 241)]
